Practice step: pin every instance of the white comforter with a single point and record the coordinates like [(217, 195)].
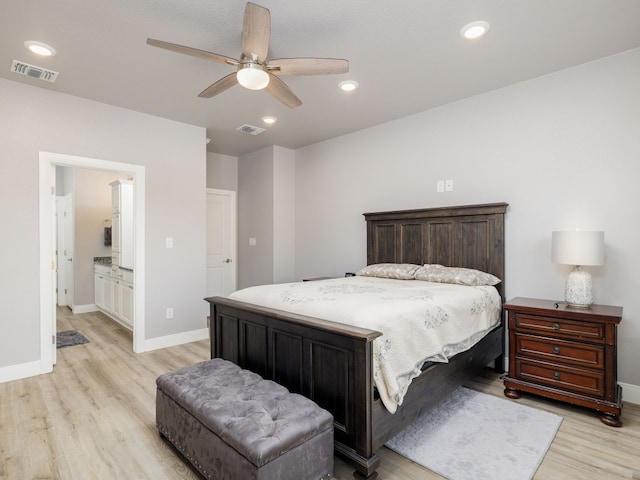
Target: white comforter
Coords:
[(419, 320)]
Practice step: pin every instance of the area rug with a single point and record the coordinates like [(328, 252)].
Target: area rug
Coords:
[(472, 435), (70, 338)]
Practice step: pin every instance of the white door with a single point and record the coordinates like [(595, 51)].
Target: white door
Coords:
[(221, 242), (61, 298), (52, 238), (67, 252), (64, 247)]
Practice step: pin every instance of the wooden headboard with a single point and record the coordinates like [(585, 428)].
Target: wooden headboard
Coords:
[(470, 236)]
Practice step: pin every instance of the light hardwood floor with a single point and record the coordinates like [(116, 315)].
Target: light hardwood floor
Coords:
[(93, 418)]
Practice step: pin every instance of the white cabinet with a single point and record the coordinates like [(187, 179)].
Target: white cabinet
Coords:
[(126, 302), (123, 296), (114, 293), (115, 232), (122, 223), (103, 287), (107, 293), (116, 298), (99, 290)]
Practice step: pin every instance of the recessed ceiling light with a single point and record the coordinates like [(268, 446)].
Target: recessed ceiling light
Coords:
[(474, 30), (40, 48), (348, 85), (269, 120)]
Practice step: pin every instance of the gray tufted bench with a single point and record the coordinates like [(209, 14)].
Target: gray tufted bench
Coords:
[(232, 424)]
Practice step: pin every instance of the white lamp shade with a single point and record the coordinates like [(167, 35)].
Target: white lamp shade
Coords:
[(577, 247), (252, 76)]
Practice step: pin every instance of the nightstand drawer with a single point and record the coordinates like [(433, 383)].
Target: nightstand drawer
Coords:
[(560, 351), (585, 382), (560, 327)]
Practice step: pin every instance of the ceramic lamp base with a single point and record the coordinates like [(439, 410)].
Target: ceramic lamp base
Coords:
[(579, 289)]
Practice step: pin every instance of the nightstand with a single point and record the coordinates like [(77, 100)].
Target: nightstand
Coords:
[(564, 353)]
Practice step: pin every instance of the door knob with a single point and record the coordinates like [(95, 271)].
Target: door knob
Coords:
[(228, 260)]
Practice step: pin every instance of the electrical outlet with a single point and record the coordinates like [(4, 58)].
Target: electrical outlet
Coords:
[(168, 242), (448, 186), (170, 312), (440, 186)]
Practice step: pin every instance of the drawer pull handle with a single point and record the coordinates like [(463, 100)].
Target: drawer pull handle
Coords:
[(556, 326), (556, 349), (556, 375)]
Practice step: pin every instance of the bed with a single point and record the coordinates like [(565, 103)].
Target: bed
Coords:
[(332, 363)]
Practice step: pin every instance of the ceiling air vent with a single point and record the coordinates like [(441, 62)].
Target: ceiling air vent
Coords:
[(250, 129), (33, 71)]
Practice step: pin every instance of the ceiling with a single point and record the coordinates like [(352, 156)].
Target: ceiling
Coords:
[(407, 56)]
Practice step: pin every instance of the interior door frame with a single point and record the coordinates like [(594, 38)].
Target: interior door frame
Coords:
[(233, 228), (47, 163)]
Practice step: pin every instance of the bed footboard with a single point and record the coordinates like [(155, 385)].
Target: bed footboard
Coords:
[(327, 362)]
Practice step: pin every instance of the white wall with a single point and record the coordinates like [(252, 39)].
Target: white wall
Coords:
[(222, 171), (34, 119), (563, 150), (284, 170), (266, 212), (255, 218)]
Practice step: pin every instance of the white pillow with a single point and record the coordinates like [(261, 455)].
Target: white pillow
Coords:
[(455, 275), (400, 271)]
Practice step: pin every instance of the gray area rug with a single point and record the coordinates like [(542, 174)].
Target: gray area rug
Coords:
[(69, 338), (472, 435)]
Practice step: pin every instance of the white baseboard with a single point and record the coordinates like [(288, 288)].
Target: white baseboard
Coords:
[(31, 369), (23, 370), (91, 307), (630, 393), (176, 339)]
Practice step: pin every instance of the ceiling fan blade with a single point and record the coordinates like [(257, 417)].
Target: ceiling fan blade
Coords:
[(280, 91), (194, 52), (308, 66), (220, 86), (256, 30)]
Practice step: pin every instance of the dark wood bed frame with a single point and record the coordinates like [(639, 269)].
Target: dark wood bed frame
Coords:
[(331, 363)]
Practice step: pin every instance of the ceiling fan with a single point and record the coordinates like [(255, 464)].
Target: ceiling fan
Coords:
[(254, 71)]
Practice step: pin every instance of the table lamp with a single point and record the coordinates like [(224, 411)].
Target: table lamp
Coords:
[(578, 248)]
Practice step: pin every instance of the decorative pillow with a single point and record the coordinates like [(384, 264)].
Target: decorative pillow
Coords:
[(456, 275), (400, 271)]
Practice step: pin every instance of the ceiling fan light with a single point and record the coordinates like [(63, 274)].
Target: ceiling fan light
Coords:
[(252, 76)]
